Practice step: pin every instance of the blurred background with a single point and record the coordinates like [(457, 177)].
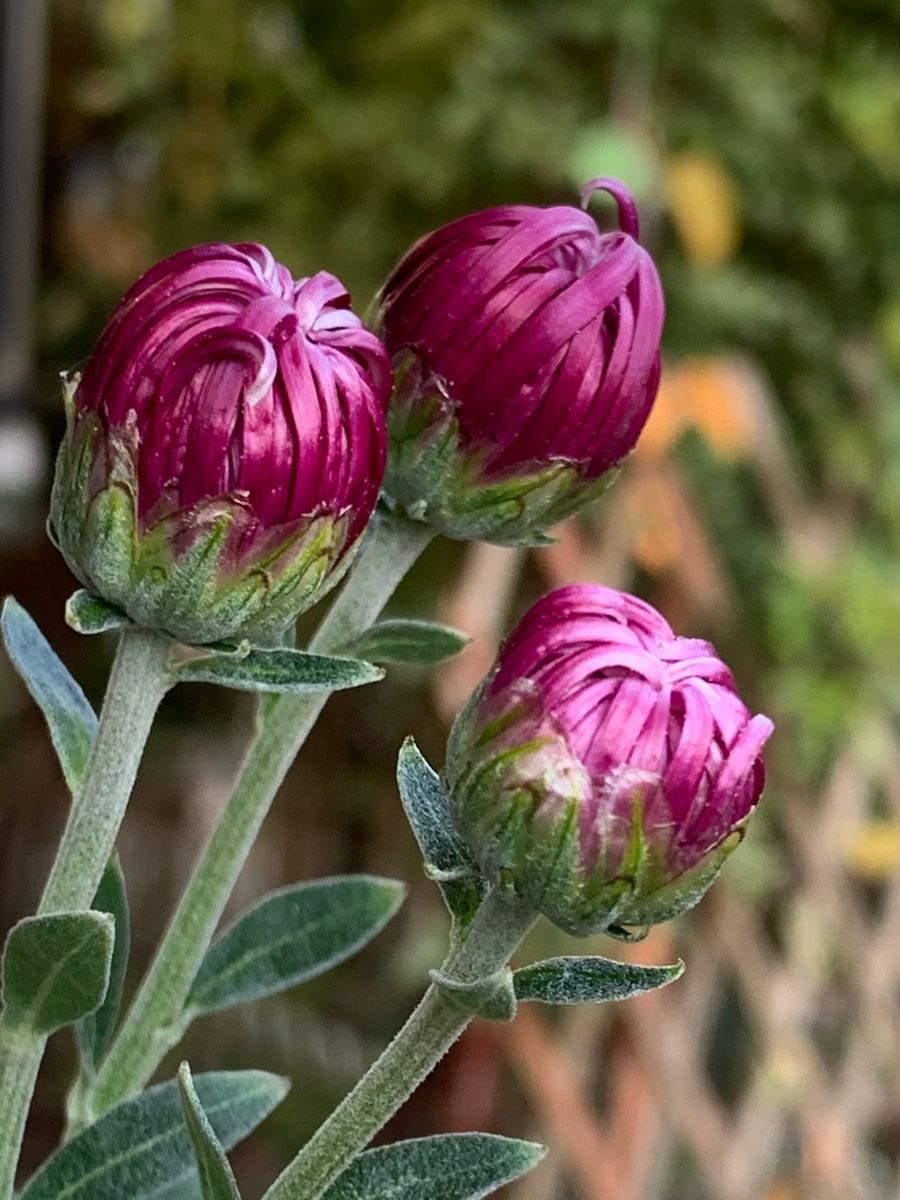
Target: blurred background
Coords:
[(761, 509)]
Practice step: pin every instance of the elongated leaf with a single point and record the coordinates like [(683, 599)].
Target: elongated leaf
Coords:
[(293, 934), (87, 613), (407, 641), (446, 855), (141, 1150), (71, 720), (456, 1166), (217, 1181), (280, 670), (56, 969), (572, 980), (96, 1030)]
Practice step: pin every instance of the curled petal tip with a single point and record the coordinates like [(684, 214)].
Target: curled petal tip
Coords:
[(629, 222)]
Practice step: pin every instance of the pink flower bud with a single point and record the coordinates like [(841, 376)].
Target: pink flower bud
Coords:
[(526, 346), (226, 446), (607, 764)]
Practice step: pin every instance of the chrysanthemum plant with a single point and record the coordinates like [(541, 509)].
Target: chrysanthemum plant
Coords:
[(225, 449)]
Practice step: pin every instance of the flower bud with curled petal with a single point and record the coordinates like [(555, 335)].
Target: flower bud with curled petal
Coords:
[(607, 765), (225, 446), (526, 350)]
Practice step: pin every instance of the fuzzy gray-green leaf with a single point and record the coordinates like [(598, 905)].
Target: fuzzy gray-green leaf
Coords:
[(280, 670), (292, 935), (456, 1166), (446, 855), (141, 1150), (408, 641), (217, 1181), (56, 969), (572, 980), (87, 613), (96, 1030), (71, 720)]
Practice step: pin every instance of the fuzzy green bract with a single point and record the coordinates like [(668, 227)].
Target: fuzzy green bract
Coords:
[(56, 969)]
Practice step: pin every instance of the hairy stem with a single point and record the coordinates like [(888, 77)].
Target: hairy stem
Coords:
[(153, 1024), (138, 681), (436, 1023)]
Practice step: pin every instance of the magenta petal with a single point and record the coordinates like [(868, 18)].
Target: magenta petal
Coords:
[(241, 378)]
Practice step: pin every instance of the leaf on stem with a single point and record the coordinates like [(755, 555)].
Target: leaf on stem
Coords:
[(141, 1149), (293, 935), (217, 1181), (579, 978), (456, 1166), (280, 670), (87, 613), (447, 857), (95, 1031), (420, 643), (71, 720), (56, 969)]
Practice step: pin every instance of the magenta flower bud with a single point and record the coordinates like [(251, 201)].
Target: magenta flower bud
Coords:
[(526, 350), (606, 765), (225, 446)]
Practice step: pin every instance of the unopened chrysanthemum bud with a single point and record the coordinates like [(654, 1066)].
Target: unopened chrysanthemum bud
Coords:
[(526, 353), (606, 766), (225, 446)]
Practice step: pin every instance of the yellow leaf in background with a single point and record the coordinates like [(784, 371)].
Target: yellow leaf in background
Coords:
[(703, 202), (782, 1190), (708, 394), (874, 851)]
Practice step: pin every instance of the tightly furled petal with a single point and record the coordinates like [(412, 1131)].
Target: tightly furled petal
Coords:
[(240, 405), (594, 687), (532, 340)]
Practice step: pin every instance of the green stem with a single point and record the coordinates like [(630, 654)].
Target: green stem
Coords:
[(496, 931), (153, 1024), (137, 682), (20, 1059)]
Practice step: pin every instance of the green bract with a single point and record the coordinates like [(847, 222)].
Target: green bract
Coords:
[(431, 477), (180, 574)]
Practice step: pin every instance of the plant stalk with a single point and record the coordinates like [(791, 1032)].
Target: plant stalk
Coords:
[(154, 1022), (436, 1023), (138, 681)]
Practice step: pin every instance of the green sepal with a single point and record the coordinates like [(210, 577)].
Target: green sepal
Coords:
[(69, 716), (217, 1180), (95, 1031), (447, 857), (290, 936), (450, 1166), (279, 670), (683, 893), (493, 998), (141, 1150), (56, 970), (580, 978), (432, 478), (406, 641), (88, 614)]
